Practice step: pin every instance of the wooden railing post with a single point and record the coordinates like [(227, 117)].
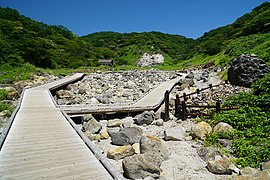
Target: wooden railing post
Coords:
[(166, 100), (218, 106), (176, 103), (184, 110)]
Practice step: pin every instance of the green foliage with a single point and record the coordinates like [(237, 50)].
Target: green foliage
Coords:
[(251, 143), (16, 73), (3, 94)]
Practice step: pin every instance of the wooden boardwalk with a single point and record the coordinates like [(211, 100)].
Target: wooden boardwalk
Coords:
[(41, 143), (149, 102)]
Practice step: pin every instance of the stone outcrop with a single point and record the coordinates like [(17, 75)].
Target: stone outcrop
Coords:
[(246, 69), (127, 136), (223, 127), (221, 166), (153, 146), (147, 117), (141, 166), (91, 124), (200, 130), (120, 152), (173, 134), (150, 60)]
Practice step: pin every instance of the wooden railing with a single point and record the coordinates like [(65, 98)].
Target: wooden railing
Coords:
[(181, 106)]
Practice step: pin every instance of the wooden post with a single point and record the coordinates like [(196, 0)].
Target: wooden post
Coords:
[(177, 103), (184, 110), (218, 106), (185, 96), (166, 100)]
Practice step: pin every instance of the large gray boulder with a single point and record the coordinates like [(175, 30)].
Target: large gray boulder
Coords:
[(246, 69), (154, 147), (127, 136), (141, 166), (147, 117)]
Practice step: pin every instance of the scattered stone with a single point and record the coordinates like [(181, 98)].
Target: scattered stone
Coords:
[(248, 171), (104, 134), (112, 131), (92, 137), (221, 166), (225, 143), (117, 153), (141, 166), (91, 124), (153, 146), (173, 134), (222, 127), (136, 147), (246, 69), (127, 136), (158, 122), (265, 165), (114, 123), (127, 122), (147, 117), (188, 138), (209, 153), (201, 129)]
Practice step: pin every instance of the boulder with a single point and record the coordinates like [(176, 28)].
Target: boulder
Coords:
[(221, 166), (222, 127), (265, 165), (248, 171), (104, 134), (136, 147), (209, 153), (92, 137), (114, 123), (117, 153), (154, 147), (158, 122), (141, 166), (93, 101), (91, 124), (114, 130), (201, 129), (246, 69), (174, 134), (127, 136), (64, 94), (147, 117)]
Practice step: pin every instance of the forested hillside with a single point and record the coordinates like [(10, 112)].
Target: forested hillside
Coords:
[(23, 40), (248, 34)]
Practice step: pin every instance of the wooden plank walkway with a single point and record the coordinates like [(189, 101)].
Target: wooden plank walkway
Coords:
[(41, 143), (149, 102)]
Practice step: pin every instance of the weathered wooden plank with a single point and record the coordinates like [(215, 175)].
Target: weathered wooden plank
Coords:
[(42, 144)]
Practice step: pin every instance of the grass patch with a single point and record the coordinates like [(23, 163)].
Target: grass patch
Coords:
[(251, 143)]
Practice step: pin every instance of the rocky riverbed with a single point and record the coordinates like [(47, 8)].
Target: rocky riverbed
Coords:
[(145, 146), (112, 87)]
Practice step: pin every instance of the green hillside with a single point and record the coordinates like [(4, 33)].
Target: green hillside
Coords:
[(23, 40), (248, 34)]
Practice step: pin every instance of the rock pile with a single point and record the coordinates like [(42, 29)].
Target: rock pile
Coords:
[(112, 87), (246, 69), (150, 60)]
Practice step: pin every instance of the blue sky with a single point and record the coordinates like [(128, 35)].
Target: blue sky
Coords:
[(190, 18)]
